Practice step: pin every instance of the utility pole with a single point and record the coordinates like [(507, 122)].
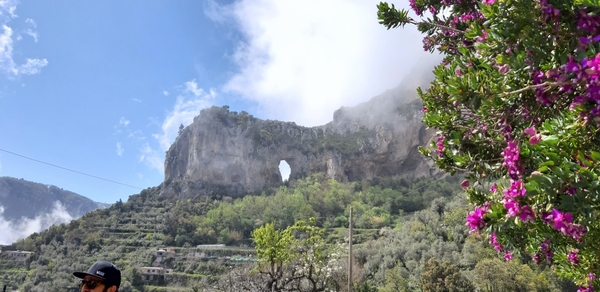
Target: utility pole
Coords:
[(350, 253)]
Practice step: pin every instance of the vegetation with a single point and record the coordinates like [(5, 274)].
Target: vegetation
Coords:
[(517, 106), (400, 224)]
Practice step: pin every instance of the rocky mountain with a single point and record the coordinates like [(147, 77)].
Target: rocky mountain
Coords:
[(21, 198), (226, 152)]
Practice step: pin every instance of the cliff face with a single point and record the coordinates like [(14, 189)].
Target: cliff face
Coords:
[(230, 153)]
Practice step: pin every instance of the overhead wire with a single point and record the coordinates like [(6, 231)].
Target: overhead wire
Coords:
[(68, 169)]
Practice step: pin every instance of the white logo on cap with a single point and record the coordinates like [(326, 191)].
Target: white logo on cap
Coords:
[(100, 273)]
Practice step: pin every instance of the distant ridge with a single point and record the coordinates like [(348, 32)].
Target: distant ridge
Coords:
[(21, 198)]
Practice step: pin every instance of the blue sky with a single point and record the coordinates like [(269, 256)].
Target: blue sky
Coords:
[(101, 87)]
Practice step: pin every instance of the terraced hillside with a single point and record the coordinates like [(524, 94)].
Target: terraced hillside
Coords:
[(131, 233)]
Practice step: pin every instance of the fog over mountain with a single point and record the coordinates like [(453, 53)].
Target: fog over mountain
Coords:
[(20, 228), (27, 207)]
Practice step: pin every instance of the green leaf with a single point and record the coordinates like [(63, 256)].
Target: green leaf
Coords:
[(593, 3), (542, 180), (501, 59), (552, 139)]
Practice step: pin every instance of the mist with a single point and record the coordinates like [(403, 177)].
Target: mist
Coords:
[(18, 229)]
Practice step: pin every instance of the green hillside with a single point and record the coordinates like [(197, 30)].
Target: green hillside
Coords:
[(205, 243)]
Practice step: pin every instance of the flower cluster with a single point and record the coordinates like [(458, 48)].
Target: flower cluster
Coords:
[(563, 222), (573, 256), (511, 159), (440, 145), (534, 137), (582, 76), (521, 103), (517, 189), (475, 218)]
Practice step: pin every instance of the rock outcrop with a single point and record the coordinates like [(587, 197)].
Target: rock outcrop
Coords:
[(228, 153)]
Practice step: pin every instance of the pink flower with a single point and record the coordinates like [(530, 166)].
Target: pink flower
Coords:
[(464, 184), (536, 258), (530, 131), (440, 145), (573, 256), (511, 206), (535, 139), (527, 214), (508, 256), (488, 2), (504, 69), (483, 37), (495, 243), (561, 220), (589, 288), (517, 189), (551, 73), (475, 218)]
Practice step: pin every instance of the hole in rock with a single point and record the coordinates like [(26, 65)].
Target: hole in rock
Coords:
[(284, 170)]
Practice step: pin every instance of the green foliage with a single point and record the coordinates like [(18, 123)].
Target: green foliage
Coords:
[(385, 258), (394, 282), (295, 259), (444, 277), (273, 247), (514, 103)]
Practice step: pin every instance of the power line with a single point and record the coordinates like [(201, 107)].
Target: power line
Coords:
[(75, 171)]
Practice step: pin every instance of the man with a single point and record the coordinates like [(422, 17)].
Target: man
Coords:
[(101, 276)]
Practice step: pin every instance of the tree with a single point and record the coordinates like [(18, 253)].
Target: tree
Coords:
[(444, 277), (516, 102), (296, 258), (394, 282)]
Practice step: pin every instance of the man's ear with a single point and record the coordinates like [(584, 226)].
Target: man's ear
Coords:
[(112, 288)]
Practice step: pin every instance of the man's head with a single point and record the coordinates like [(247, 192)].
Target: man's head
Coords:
[(101, 276)]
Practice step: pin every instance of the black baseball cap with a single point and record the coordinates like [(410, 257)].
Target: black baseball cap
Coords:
[(103, 270)]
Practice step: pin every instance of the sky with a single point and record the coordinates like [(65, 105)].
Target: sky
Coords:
[(92, 93)]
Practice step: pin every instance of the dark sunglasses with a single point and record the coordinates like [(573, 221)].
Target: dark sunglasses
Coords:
[(91, 284)]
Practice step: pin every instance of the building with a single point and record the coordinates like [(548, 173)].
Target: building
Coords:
[(18, 255), (152, 273)]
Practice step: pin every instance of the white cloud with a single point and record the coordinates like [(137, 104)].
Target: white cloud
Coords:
[(31, 31), (7, 9), (303, 59), (120, 149), (14, 230), (152, 158), (136, 99), (215, 12), (165, 93), (187, 106), (123, 122), (31, 67), (192, 87), (136, 135), (7, 63)]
